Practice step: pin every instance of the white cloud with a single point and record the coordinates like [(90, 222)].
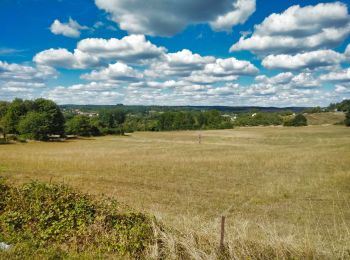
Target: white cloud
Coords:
[(93, 93), (222, 70), (60, 58), (70, 29), (282, 78), (324, 25), (288, 80), (181, 63), (242, 10), (343, 89), (310, 60), (341, 75), (166, 18), (114, 72), (17, 80), (132, 48), (25, 73), (95, 52)]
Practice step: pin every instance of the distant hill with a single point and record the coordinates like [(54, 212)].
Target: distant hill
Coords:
[(228, 109)]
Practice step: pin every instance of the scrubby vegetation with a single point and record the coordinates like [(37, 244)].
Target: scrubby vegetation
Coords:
[(298, 120), (36, 216), (341, 106), (259, 119), (347, 119)]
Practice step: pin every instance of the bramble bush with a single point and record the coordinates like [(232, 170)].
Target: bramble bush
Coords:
[(53, 216)]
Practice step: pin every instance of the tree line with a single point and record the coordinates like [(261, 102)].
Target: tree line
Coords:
[(43, 119)]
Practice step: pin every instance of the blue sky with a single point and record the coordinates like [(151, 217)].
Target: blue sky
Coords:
[(176, 52)]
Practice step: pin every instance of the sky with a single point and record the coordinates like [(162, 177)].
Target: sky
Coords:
[(176, 52)]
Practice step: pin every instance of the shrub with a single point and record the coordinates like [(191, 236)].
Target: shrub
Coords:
[(347, 118), (298, 120), (42, 215)]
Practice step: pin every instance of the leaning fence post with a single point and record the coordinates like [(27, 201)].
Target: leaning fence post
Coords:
[(222, 235)]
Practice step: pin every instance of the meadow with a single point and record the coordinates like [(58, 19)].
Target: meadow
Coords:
[(284, 190)]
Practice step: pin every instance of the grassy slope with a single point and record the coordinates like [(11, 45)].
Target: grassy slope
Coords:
[(279, 186), (330, 118)]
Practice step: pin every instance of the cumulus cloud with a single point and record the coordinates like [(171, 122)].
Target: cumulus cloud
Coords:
[(94, 52), (222, 70), (343, 89), (93, 93), (324, 25), (70, 29), (25, 73), (60, 58), (340, 75), (17, 80), (288, 80), (114, 72), (166, 18), (309, 60), (132, 48), (181, 63)]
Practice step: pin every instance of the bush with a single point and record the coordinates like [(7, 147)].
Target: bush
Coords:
[(42, 215), (298, 120), (347, 118)]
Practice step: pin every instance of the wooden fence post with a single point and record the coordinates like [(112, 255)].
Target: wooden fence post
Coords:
[(222, 235)]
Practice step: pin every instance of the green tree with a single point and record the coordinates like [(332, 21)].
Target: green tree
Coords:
[(35, 125), (112, 120), (3, 108), (81, 125), (54, 114), (14, 112)]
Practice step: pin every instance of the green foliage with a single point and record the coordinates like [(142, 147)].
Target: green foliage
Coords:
[(82, 126), (54, 216), (190, 120), (3, 108), (35, 125), (13, 115), (111, 121), (36, 119), (341, 106), (347, 118), (298, 120), (54, 114), (258, 119), (112, 118), (314, 110)]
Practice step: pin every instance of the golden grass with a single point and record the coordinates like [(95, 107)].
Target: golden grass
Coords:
[(324, 118), (288, 188)]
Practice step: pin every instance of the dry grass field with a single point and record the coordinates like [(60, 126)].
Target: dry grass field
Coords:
[(325, 118), (287, 189)]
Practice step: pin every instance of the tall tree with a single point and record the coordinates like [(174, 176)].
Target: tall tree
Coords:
[(53, 113), (14, 112)]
